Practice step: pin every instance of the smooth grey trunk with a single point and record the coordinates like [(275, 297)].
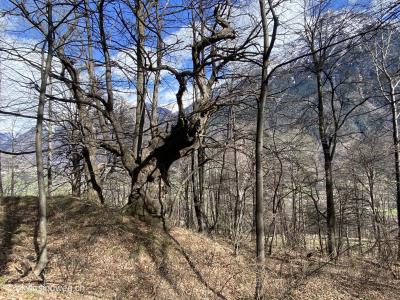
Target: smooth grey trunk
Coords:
[(188, 205), (383, 58), (50, 146), (358, 218), (259, 205), (42, 255), (276, 202), (196, 198), (1, 180), (359, 236), (375, 212), (218, 196), (294, 217), (273, 225), (157, 78), (238, 204), (140, 81), (93, 82), (13, 164), (396, 158), (200, 160), (1, 177), (259, 210)]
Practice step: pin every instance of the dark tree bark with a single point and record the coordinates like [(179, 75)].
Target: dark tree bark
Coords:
[(76, 165), (328, 157), (397, 162), (201, 158)]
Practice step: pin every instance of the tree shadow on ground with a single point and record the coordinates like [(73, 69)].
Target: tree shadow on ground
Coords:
[(10, 223), (195, 270), (15, 218)]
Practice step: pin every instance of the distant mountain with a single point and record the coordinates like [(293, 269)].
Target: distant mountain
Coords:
[(22, 142), (5, 141)]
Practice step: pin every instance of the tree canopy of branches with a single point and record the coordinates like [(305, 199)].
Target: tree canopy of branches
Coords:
[(218, 115)]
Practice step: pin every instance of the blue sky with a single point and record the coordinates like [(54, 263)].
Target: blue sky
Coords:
[(177, 37)]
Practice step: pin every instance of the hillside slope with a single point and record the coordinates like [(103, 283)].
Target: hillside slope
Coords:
[(100, 253)]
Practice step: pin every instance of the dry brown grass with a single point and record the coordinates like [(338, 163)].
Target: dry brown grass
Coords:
[(113, 256)]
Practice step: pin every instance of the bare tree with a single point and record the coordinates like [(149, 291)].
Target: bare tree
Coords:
[(46, 68), (329, 47), (150, 176), (386, 62), (268, 44)]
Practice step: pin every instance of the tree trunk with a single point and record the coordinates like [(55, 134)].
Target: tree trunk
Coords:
[(150, 178), (330, 204), (259, 212), (218, 196), (200, 159), (150, 174), (76, 169), (330, 209), (358, 220), (1, 177), (13, 165), (196, 197), (237, 209), (50, 147), (94, 189), (273, 225), (259, 209), (393, 104), (42, 255), (157, 78), (94, 186), (188, 206), (140, 82), (88, 135)]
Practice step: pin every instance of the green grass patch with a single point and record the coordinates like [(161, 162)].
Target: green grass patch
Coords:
[(388, 211), (22, 230), (139, 247), (30, 294)]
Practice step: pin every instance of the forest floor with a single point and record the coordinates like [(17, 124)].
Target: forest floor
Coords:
[(100, 253)]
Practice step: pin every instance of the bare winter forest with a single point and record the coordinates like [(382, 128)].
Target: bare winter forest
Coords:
[(199, 149)]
